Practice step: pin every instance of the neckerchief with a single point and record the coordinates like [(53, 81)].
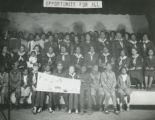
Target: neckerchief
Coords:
[(50, 56), (91, 55), (78, 56), (72, 75), (134, 43), (63, 56), (102, 40), (121, 59), (106, 57), (144, 44), (135, 58), (124, 77), (21, 55)]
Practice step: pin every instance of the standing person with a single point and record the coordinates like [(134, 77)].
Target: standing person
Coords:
[(118, 45), (32, 60), (91, 58), (85, 45), (76, 41), (146, 44), (41, 41), (149, 69), (123, 60), (23, 39), (4, 78), (25, 88), (22, 57), (15, 82), (103, 41), (68, 44), (37, 96), (95, 77), (39, 53), (64, 57), (47, 70), (85, 92), (105, 58), (50, 57), (133, 43), (14, 42), (108, 81), (5, 59), (50, 43), (78, 59), (73, 98), (124, 90), (136, 69), (32, 43), (59, 71)]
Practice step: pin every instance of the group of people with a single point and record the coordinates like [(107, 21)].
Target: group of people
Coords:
[(107, 63)]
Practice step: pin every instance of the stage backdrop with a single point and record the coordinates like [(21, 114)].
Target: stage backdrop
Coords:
[(40, 22)]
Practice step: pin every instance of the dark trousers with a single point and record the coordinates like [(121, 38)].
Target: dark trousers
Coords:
[(85, 93), (38, 98), (54, 99), (73, 101), (17, 91)]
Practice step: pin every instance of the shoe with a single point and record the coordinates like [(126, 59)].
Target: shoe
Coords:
[(90, 112), (69, 111), (82, 112), (120, 108), (106, 111), (39, 110), (116, 111), (76, 111), (50, 110), (34, 110), (57, 109), (128, 108), (100, 109)]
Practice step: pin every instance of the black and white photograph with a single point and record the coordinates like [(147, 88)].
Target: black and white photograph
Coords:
[(77, 59)]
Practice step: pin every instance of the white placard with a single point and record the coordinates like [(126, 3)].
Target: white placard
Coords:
[(72, 4), (51, 83)]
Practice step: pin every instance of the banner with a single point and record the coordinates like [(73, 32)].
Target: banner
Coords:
[(72, 4), (51, 83)]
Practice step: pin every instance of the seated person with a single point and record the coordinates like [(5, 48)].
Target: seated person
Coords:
[(136, 69), (3, 85), (25, 88), (85, 92), (15, 83), (108, 81), (124, 90), (95, 84), (73, 98), (149, 69)]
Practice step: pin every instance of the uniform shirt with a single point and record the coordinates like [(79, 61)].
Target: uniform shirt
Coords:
[(124, 81), (108, 80), (91, 59), (15, 78), (150, 62), (95, 79), (85, 79)]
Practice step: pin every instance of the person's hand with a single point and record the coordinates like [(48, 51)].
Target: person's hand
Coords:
[(147, 68), (151, 68), (133, 68), (33, 88), (12, 55), (138, 68)]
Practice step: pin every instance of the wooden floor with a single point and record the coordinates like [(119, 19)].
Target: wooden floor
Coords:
[(25, 114)]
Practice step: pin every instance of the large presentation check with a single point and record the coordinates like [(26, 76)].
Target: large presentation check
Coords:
[(51, 83)]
